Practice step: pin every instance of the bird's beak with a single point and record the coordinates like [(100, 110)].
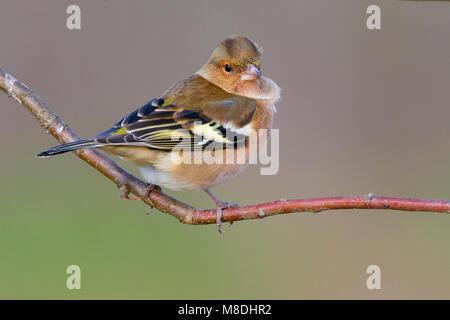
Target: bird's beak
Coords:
[(251, 72)]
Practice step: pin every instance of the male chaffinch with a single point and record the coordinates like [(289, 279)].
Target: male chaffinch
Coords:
[(227, 97)]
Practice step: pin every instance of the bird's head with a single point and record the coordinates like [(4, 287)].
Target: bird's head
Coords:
[(235, 66)]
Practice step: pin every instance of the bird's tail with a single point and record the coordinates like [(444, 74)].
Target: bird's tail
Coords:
[(71, 146)]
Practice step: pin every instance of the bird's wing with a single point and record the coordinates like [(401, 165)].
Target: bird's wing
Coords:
[(166, 126)]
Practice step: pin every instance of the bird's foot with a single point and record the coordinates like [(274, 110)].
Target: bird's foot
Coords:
[(220, 206), (151, 187), (125, 194)]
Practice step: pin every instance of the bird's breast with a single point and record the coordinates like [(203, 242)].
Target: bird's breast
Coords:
[(199, 170)]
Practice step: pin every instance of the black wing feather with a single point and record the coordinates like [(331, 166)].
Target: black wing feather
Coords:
[(153, 125)]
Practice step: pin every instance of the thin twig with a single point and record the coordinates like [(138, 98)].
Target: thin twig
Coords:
[(128, 183)]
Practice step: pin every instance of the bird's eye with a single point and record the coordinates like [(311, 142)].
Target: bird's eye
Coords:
[(227, 68)]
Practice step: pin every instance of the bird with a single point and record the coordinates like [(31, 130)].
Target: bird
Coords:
[(224, 104)]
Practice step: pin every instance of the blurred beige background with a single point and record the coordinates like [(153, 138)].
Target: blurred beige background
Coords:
[(362, 111)]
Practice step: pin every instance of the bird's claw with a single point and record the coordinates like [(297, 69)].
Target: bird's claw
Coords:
[(125, 194), (151, 187), (221, 205)]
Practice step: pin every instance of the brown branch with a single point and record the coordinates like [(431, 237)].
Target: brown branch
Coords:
[(183, 212)]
